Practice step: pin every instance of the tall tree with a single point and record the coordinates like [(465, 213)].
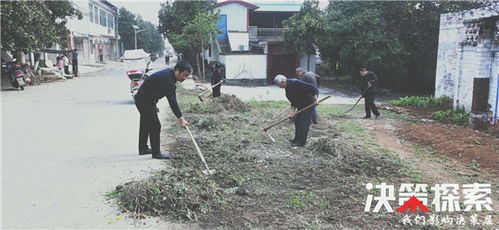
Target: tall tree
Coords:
[(396, 39), (304, 30), (148, 38), (187, 24), (195, 36), (36, 24)]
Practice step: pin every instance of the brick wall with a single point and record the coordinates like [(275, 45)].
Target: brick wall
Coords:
[(459, 63)]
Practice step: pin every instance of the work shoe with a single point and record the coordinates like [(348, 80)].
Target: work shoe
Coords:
[(145, 152), (161, 156), (294, 144)]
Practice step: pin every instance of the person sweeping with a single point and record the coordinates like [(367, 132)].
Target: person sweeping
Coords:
[(218, 75), (158, 85), (300, 94)]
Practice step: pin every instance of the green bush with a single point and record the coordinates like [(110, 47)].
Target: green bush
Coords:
[(456, 116), (421, 101)]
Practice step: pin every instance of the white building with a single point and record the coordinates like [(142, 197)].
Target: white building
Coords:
[(96, 35), (468, 60), (252, 42)]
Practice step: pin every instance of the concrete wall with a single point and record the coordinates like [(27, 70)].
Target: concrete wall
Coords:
[(237, 16), (251, 66), (493, 87), (308, 62), (459, 63)]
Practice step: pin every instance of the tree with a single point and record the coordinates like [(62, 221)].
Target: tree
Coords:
[(148, 39), (32, 25), (303, 31), (188, 25), (398, 40), (195, 36)]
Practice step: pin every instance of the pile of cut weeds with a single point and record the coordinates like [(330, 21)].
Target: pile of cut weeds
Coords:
[(260, 184)]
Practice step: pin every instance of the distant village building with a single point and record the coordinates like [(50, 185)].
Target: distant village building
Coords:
[(468, 61), (251, 44), (96, 35)]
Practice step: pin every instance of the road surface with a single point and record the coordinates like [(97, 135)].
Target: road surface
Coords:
[(65, 145)]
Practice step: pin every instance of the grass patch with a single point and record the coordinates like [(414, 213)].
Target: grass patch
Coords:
[(421, 101), (270, 104), (456, 116), (326, 109), (351, 128)]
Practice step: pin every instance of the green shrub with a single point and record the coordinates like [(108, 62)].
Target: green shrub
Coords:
[(456, 116), (421, 101)]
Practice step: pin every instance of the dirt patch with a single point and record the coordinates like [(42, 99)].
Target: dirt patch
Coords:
[(462, 143), (418, 112)]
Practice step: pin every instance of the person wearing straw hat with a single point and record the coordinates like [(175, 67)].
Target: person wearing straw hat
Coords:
[(300, 94)]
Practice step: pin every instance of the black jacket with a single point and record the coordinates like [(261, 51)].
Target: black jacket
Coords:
[(218, 75), (158, 85), (370, 77), (300, 93)]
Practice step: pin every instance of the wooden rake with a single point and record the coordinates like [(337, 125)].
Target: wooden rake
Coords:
[(286, 118)]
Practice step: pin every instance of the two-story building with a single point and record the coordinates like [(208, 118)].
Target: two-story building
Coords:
[(96, 35), (251, 44)]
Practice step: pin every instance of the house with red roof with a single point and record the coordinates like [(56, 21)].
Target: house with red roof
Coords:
[(251, 42)]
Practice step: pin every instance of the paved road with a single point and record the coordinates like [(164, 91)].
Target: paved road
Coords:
[(64, 146)]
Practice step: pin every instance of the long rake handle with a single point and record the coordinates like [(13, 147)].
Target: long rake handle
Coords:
[(197, 148), (220, 82), (281, 113), (299, 111), (362, 95)]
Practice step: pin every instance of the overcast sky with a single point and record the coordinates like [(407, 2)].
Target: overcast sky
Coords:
[(148, 9)]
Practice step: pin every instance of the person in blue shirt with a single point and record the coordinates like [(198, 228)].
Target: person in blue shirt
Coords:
[(300, 94), (158, 85)]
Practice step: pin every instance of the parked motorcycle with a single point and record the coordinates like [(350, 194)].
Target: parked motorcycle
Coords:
[(134, 61), (137, 78), (15, 74)]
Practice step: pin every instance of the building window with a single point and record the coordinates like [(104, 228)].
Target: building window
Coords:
[(96, 15), (91, 12), (110, 21), (103, 18)]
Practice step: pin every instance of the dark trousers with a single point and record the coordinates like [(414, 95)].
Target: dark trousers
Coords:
[(75, 67), (66, 69), (302, 126), (369, 105), (216, 91), (150, 127), (314, 115)]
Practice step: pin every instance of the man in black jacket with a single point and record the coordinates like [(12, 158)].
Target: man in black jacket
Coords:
[(300, 94), (312, 78), (369, 85), (158, 85), (218, 75)]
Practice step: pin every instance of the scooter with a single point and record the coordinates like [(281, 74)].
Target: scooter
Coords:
[(134, 61), (137, 78), (16, 76)]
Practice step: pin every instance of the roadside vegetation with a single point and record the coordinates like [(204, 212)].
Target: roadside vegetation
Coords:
[(421, 101), (260, 184)]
